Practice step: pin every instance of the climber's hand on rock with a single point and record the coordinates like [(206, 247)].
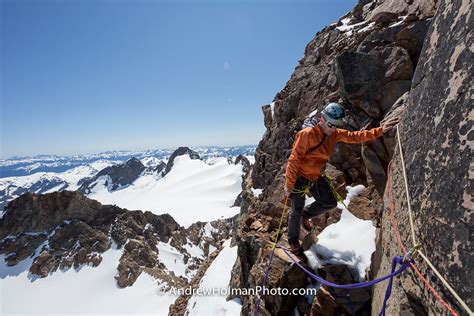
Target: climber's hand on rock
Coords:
[(388, 125)]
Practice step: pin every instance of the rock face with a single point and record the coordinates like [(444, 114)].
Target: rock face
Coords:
[(118, 175), (157, 169), (418, 8), (65, 229), (437, 139), (179, 152), (379, 61), (366, 67)]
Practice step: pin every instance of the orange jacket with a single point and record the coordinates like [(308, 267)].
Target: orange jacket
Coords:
[(308, 164)]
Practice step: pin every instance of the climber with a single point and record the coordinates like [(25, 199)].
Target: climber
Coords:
[(311, 150)]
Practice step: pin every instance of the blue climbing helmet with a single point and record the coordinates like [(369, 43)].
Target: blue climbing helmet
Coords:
[(334, 113)]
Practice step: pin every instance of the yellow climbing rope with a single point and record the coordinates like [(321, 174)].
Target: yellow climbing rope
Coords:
[(339, 198), (277, 234)]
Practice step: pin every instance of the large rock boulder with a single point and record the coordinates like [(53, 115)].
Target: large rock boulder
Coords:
[(359, 74)]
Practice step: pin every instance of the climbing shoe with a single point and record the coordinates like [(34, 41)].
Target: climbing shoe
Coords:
[(295, 247)]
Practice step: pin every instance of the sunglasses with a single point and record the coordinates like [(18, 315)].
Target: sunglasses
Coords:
[(331, 125)]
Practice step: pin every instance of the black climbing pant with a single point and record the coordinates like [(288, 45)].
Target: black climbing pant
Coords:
[(324, 201)]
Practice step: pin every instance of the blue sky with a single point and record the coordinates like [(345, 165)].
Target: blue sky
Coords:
[(83, 76)]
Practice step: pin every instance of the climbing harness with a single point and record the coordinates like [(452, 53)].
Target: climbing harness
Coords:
[(305, 189), (336, 194)]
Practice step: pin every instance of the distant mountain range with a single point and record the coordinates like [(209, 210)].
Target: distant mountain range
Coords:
[(22, 166), (118, 169)]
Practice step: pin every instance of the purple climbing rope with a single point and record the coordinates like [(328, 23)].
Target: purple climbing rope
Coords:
[(396, 260), (350, 286)]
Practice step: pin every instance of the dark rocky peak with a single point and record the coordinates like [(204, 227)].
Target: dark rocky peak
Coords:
[(133, 162), (123, 174), (117, 176), (244, 161), (181, 151), (32, 213)]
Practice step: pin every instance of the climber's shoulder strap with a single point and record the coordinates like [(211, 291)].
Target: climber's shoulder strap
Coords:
[(311, 149)]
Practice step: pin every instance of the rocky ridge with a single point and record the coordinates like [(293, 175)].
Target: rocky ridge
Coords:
[(63, 230)]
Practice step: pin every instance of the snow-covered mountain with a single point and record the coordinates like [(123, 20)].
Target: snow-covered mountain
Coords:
[(193, 190), (43, 174), (45, 182)]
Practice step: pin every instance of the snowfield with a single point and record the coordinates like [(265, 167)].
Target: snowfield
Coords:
[(192, 191), (217, 278), (86, 291), (350, 241)]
